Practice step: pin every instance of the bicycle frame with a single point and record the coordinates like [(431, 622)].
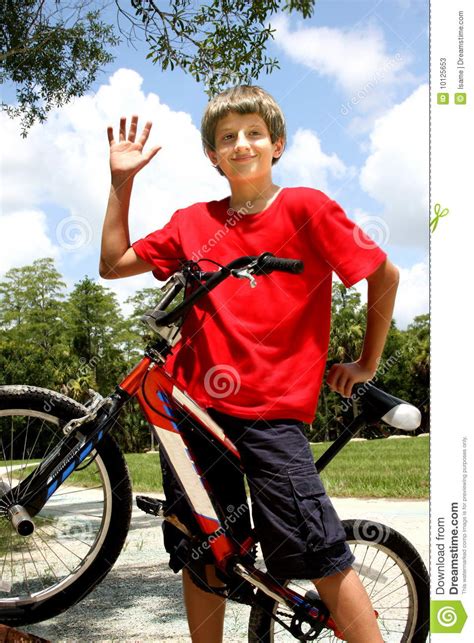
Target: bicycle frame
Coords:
[(162, 401), (148, 381), (164, 405)]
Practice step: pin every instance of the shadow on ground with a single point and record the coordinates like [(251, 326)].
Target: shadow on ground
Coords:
[(141, 602)]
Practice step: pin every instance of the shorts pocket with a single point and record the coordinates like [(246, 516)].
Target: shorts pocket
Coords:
[(319, 522)]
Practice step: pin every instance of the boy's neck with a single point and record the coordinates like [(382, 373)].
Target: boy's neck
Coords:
[(250, 198)]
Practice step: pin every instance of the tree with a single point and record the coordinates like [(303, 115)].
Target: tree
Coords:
[(52, 50), (348, 324), (31, 321), (347, 333), (95, 327), (219, 42), (418, 346), (143, 300), (403, 370)]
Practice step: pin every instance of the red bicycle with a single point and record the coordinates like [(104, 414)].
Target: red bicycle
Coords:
[(60, 535)]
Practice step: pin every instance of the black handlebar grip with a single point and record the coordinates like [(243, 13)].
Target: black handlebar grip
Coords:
[(268, 263)]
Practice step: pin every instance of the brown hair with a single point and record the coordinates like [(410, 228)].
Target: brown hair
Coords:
[(243, 99)]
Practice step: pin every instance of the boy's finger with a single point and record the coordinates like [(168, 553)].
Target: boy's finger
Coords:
[(348, 387), (123, 126), (335, 382), (332, 374), (151, 153), (110, 134), (341, 386), (145, 133), (133, 129)]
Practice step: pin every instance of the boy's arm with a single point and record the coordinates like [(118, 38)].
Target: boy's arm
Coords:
[(382, 288), (117, 258)]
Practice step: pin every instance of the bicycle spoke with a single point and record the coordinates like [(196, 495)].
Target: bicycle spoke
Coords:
[(83, 542), (84, 489), (48, 540), (38, 576)]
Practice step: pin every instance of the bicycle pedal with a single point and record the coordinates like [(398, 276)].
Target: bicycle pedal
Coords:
[(151, 506), (313, 597)]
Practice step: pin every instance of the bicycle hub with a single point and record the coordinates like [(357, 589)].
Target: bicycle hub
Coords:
[(21, 520)]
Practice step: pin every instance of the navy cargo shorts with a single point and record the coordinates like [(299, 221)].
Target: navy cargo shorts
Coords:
[(299, 531)]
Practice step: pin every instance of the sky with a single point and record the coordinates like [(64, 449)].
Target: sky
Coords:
[(353, 84)]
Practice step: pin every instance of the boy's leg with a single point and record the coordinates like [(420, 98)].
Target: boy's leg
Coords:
[(300, 534), (346, 598), (205, 611)]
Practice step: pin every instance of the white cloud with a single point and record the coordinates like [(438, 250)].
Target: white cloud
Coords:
[(125, 288), (396, 172), (24, 239), (305, 163), (412, 295), (356, 59), (65, 162)]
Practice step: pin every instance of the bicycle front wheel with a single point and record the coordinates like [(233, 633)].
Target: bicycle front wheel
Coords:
[(391, 571), (79, 532)]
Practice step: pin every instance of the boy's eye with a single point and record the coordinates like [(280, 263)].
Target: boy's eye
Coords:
[(227, 137)]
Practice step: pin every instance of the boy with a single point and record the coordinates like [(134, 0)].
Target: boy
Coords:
[(271, 342)]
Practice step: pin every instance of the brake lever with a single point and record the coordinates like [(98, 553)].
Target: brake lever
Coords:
[(244, 273)]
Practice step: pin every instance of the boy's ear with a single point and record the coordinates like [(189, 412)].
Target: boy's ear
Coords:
[(212, 156), (279, 147)]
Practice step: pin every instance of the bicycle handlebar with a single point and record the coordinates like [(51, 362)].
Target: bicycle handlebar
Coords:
[(264, 264), (268, 263)]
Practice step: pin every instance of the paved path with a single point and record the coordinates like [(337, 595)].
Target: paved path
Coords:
[(140, 600)]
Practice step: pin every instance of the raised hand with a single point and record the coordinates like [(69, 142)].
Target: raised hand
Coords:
[(127, 156)]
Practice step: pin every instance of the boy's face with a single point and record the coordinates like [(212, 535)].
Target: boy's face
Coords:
[(243, 147)]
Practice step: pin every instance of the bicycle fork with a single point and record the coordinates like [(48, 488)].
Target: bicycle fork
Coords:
[(24, 501)]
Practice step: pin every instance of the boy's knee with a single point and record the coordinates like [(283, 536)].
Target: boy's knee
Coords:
[(212, 578), (337, 577)]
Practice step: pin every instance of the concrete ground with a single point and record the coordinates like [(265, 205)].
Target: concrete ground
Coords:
[(140, 600)]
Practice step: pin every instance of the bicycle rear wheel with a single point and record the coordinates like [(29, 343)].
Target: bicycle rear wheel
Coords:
[(80, 531), (393, 574)]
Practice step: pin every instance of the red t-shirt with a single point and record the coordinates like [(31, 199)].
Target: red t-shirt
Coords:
[(261, 352)]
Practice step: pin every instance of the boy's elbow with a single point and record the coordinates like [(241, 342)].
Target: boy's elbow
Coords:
[(390, 271), (394, 274), (387, 274), (105, 271)]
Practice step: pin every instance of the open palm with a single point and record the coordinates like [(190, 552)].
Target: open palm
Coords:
[(127, 155)]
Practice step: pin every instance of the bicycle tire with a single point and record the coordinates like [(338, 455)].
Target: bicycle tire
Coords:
[(79, 532), (382, 556)]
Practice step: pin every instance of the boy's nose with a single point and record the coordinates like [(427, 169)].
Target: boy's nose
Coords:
[(241, 141)]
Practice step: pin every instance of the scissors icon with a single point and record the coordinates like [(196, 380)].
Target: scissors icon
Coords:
[(439, 214)]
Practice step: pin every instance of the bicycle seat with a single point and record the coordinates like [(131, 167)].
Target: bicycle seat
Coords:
[(379, 405)]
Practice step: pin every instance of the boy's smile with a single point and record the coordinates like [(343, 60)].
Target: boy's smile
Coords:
[(243, 147)]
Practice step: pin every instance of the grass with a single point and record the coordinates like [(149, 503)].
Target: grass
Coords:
[(369, 469), (379, 469), (144, 470)]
